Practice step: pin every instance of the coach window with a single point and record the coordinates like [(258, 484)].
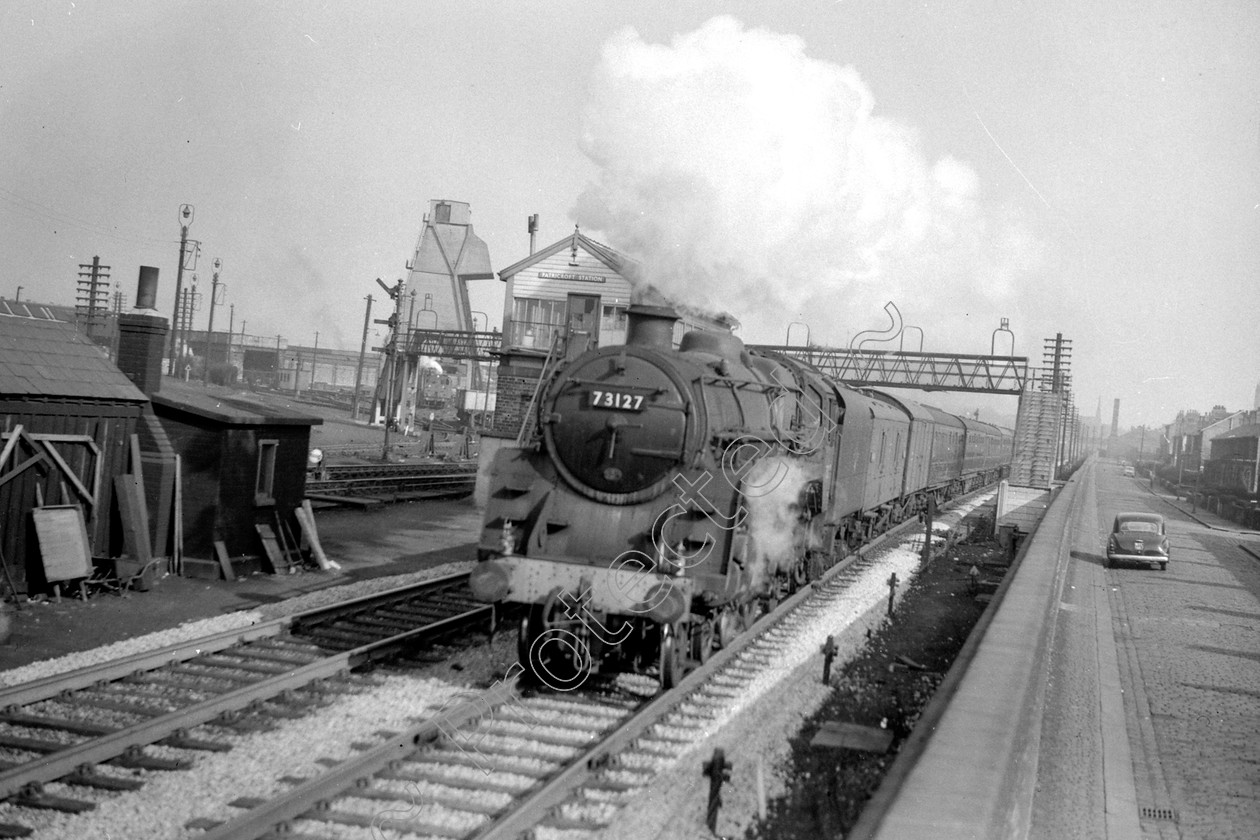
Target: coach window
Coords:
[(266, 472)]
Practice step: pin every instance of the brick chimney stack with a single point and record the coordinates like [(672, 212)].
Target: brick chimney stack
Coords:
[(142, 336)]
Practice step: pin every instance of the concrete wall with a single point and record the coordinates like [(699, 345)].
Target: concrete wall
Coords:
[(1022, 507)]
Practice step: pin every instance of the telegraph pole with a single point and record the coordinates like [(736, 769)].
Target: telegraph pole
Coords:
[(314, 354), (358, 374), (186, 313), (186, 216), (93, 289), (214, 294)]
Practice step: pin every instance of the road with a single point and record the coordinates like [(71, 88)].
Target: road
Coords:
[(1152, 725)]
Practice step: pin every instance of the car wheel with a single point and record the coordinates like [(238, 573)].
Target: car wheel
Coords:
[(1163, 567), (1111, 564)]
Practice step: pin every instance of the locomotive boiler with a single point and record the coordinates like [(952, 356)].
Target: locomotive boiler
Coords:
[(671, 495)]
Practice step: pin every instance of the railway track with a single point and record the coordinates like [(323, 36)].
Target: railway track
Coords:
[(88, 728), (508, 761), (393, 481)]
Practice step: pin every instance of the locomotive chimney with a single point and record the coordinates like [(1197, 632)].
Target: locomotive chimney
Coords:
[(142, 336), (651, 326)]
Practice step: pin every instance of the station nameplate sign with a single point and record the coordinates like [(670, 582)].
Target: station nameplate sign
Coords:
[(565, 275)]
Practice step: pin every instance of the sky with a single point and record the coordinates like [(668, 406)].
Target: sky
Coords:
[(1084, 169)]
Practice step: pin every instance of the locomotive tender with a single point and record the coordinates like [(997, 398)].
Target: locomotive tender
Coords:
[(670, 495)]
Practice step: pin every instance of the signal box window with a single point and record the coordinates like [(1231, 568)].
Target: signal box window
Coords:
[(614, 318), (265, 481)]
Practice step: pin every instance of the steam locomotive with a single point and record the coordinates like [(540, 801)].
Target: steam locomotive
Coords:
[(671, 495)]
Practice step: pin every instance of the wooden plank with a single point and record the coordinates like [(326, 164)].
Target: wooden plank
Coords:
[(292, 555), (135, 517), (21, 468), (137, 469), (853, 736), (53, 438), (225, 562), (290, 543), (271, 547), (306, 519), (63, 542), (177, 510), (9, 447)]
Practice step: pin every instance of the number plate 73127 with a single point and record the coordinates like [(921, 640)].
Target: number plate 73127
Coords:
[(616, 400)]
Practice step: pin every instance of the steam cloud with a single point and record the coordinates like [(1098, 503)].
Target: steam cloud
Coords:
[(772, 515), (747, 177)]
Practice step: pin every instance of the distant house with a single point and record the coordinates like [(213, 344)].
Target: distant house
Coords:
[(77, 413), (1235, 459)]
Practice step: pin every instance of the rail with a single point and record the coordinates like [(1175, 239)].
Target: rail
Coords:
[(273, 674)]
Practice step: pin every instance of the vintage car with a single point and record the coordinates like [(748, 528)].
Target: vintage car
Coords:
[(1128, 471), (1138, 537)]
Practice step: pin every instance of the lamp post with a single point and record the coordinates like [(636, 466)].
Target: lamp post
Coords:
[(214, 294), (186, 217)]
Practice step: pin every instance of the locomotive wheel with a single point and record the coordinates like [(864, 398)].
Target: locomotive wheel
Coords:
[(670, 661), (702, 641), (565, 656), (727, 627), (814, 566), (748, 614), (526, 634), (799, 577)]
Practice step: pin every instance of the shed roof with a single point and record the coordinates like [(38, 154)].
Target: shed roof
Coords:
[(1249, 431), (234, 410), (609, 257), (45, 358)]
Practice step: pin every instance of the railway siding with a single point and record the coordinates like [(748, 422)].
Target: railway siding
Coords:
[(132, 712)]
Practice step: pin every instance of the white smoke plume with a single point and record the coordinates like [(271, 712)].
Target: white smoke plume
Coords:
[(747, 177), (773, 514)]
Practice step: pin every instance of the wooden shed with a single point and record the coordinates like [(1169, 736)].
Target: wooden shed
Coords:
[(243, 465), (67, 414)]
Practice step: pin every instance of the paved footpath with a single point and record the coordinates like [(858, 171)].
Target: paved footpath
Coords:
[(1152, 723)]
